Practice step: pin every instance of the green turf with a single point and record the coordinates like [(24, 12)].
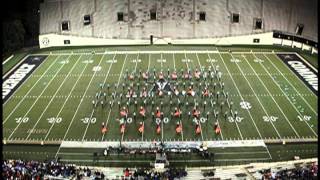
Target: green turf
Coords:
[(65, 90), (13, 61), (223, 156)]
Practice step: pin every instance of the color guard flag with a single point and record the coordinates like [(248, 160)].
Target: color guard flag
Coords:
[(177, 112), (158, 129), (122, 128), (141, 128), (178, 129), (198, 130), (142, 111)]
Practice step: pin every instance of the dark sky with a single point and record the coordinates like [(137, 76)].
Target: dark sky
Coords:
[(22, 14), (13, 9)]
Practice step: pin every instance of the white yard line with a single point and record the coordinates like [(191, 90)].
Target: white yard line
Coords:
[(7, 59), (161, 131), (185, 56), (198, 121), (147, 71), (104, 82), (271, 96), (91, 96), (36, 100), (311, 66), (161, 61), (174, 62), (85, 131), (165, 52), (239, 94), (13, 68), (289, 101), (265, 111), (181, 130), (117, 86), (74, 115), (142, 131), (66, 100), (201, 131), (74, 65), (313, 110), (208, 119), (16, 106), (294, 74), (179, 120), (135, 70), (149, 63)]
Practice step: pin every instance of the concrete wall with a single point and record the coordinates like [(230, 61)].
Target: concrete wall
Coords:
[(50, 40), (57, 40), (177, 18)]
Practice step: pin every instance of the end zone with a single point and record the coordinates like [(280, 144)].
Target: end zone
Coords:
[(304, 71), (19, 74)]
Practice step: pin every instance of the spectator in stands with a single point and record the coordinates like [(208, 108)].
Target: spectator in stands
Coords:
[(19, 169)]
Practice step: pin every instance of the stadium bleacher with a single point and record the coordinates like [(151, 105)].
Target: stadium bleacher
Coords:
[(177, 19)]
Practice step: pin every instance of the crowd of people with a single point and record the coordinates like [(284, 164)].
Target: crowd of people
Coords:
[(169, 174), (306, 172), (19, 169), (36, 170)]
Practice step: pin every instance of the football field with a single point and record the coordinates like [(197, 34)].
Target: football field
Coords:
[(256, 97)]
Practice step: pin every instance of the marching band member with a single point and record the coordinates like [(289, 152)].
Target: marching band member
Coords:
[(141, 127), (174, 75), (197, 74), (205, 92), (145, 75), (130, 93), (144, 92), (161, 75), (158, 129), (176, 92), (160, 92), (124, 112), (158, 112), (187, 75), (195, 113), (191, 91), (178, 128), (131, 77), (198, 129), (217, 129), (177, 112), (103, 128), (122, 126), (142, 112)]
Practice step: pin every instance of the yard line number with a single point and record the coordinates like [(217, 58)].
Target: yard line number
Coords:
[(234, 60), (136, 60), (270, 118), (22, 120), (52, 120), (236, 119), (245, 105), (87, 120), (161, 60), (202, 120), (211, 60), (304, 118)]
